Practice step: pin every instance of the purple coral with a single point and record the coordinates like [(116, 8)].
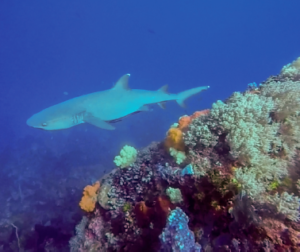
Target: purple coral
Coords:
[(177, 236)]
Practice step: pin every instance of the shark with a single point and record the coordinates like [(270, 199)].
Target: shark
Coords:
[(102, 109)]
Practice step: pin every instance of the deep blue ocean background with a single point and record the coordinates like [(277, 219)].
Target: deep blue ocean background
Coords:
[(51, 51)]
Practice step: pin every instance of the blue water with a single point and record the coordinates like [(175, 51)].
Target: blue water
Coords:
[(51, 51)]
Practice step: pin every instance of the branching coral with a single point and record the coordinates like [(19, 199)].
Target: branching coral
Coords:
[(246, 180), (261, 128), (286, 204), (292, 70), (247, 122)]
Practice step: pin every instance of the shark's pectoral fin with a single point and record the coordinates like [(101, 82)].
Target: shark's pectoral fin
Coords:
[(162, 105), (144, 108), (98, 123)]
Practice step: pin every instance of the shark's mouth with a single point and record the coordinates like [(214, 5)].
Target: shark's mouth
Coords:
[(121, 118)]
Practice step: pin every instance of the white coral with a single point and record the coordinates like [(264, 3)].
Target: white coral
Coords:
[(248, 182), (250, 133), (287, 204), (291, 70)]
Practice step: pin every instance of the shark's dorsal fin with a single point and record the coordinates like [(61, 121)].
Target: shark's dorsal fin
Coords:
[(164, 89), (122, 83)]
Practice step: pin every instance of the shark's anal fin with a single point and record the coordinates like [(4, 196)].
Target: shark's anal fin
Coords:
[(98, 123)]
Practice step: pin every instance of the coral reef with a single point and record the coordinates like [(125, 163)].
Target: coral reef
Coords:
[(236, 189)]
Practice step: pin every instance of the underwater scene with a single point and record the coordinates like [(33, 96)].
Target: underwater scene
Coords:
[(168, 126)]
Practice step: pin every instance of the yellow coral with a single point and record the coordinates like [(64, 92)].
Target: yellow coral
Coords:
[(174, 139), (89, 198)]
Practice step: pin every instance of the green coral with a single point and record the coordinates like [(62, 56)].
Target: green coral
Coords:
[(178, 155), (127, 207), (274, 185), (127, 157), (174, 194)]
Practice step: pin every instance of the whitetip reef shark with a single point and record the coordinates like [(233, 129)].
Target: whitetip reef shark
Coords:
[(105, 107)]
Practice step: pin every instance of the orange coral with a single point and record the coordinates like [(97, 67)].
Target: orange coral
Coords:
[(164, 205), (143, 213), (200, 113), (174, 139), (89, 198), (184, 122), (156, 214)]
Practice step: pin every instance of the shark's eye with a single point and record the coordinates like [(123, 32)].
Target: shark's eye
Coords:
[(44, 124)]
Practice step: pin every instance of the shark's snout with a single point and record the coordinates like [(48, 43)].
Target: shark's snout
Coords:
[(35, 122), (30, 122)]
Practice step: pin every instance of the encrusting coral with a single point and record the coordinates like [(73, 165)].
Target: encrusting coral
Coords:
[(237, 188)]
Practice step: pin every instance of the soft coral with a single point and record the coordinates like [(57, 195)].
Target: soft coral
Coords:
[(88, 200)]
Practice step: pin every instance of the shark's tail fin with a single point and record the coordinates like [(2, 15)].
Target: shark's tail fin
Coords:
[(189, 93)]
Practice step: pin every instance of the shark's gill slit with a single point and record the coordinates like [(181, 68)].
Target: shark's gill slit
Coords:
[(78, 118)]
